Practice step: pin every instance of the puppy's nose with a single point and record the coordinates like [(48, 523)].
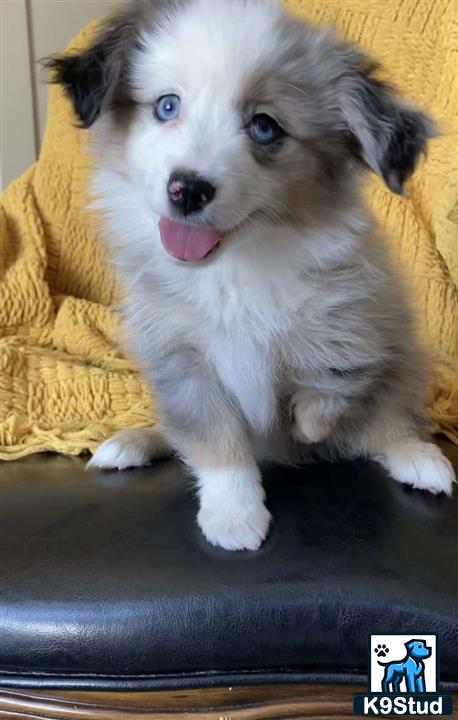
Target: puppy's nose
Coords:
[(189, 193)]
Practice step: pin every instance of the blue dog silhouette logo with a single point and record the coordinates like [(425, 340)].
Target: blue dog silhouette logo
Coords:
[(411, 669), (403, 678), (402, 663)]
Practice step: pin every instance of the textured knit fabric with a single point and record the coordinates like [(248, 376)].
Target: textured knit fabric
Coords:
[(65, 384)]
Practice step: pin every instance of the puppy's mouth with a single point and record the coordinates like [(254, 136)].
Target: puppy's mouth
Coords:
[(187, 242)]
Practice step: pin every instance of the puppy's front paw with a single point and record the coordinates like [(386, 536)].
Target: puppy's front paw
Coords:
[(237, 529), (419, 464), (232, 513), (129, 448)]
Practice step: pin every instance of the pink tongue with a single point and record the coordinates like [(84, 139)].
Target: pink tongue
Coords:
[(185, 242)]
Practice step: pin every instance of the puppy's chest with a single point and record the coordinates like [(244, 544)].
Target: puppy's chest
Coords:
[(248, 326), (248, 308), (249, 373), (251, 297)]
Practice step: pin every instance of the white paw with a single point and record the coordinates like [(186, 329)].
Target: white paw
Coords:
[(419, 464), (128, 448), (238, 530), (232, 514)]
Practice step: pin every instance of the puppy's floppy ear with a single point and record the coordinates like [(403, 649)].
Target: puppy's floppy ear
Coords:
[(391, 135), (93, 78)]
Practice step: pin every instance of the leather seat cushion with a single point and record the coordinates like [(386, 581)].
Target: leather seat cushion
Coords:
[(107, 582)]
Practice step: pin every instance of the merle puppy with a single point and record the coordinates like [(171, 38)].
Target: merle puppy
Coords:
[(231, 140)]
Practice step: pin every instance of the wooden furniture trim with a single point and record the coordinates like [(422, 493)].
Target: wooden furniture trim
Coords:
[(263, 702)]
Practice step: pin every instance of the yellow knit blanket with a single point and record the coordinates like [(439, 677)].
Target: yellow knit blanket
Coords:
[(64, 384)]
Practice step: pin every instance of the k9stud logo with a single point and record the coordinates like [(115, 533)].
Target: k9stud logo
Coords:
[(403, 664), (403, 677)]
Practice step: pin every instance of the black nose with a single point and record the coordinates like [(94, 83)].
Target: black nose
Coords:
[(189, 192)]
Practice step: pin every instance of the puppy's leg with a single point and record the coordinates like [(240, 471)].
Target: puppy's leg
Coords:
[(210, 436), (420, 464), (232, 513), (394, 442), (130, 448), (315, 415)]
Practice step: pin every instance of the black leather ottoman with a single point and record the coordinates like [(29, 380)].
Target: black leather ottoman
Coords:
[(106, 582)]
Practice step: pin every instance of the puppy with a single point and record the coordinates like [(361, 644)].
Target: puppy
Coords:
[(231, 139)]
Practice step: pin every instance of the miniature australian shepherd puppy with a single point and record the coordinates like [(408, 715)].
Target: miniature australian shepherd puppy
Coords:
[(231, 140)]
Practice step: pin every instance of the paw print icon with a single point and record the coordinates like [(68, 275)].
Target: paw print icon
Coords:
[(381, 650)]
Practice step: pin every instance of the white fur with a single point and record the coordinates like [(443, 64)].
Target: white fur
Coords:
[(232, 513), (130, 448), (420, 465)]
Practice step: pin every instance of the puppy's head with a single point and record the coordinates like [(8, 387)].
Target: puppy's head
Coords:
[(223, 113)]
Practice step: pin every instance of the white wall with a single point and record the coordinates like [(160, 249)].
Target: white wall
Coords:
[(30, 30), (17, 127)]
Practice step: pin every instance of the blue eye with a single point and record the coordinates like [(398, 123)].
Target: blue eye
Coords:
[(264, 130), (167, 108)]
